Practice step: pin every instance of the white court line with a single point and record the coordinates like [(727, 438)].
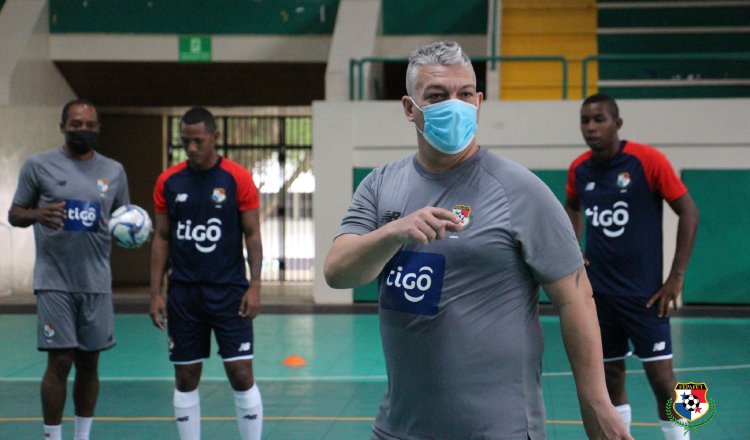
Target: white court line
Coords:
[(377, 378)]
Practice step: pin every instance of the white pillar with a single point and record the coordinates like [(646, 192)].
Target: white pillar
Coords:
[(354, 36)]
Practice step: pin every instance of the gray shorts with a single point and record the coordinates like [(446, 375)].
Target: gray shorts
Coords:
[(85, 321)]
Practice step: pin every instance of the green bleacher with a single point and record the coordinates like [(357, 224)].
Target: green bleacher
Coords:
[(625, 28)]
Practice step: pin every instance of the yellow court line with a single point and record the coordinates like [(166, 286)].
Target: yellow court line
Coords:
[(269, 418)]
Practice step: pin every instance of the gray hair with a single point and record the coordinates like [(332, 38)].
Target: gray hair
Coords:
[(440, 53)]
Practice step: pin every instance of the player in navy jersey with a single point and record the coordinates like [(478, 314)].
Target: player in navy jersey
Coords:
[(206, 215), (618, 188)]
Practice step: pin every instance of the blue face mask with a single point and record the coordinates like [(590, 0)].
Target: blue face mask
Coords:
[(449, 126)]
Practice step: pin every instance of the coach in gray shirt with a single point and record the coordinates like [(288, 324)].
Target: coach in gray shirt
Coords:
[(68, 195), (460, 241)]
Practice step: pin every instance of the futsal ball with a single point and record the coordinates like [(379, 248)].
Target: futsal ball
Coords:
[(691, 403), (130, 226)]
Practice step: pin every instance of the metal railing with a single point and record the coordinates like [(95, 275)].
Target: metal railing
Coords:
[(356, 68)]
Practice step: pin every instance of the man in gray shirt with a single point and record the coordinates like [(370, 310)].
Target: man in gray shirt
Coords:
[(68, 194), (460, 241)]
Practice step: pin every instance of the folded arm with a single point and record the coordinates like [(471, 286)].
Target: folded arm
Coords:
[(354, 259)]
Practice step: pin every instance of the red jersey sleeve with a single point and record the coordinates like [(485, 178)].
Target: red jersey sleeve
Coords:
[(160, 203), (570, 187), (247, 192), (660, 175)]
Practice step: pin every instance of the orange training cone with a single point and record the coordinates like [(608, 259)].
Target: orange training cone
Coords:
[(294, 361)]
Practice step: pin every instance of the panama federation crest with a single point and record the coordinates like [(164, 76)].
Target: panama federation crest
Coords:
[(49, 331), (623, 180), (464, 213), (690, 404), (102, 184), (219, 195)]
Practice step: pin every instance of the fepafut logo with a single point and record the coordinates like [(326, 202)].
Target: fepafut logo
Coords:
[(413, 283), (690, 404)]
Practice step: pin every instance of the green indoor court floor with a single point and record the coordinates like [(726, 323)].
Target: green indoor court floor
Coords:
[(336, 394)]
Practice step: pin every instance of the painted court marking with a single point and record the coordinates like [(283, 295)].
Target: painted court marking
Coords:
[(375, 378)]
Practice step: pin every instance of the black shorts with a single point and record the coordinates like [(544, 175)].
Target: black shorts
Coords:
[(194, 310), (623, 318)]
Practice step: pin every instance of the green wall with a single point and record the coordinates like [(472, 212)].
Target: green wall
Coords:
[(193, 16), (427, 17), (719, 270), (399, 17)]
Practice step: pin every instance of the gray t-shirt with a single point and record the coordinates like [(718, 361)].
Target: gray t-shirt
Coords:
[(459, 316), (76, 257)]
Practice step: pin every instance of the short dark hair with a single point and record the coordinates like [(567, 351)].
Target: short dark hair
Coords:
[(608, 101), (198, 114), (78, 101)]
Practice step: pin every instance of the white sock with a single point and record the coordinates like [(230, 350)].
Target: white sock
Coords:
[(187, 411), (52, 432), (249, 408), (672, 431), (625, 414), (82, 428)]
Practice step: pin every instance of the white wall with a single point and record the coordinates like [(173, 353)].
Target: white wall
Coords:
[(538, 134), (29, 117)]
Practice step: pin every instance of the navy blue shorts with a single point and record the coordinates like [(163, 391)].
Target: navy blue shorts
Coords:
[(194, 310), (623, 318)]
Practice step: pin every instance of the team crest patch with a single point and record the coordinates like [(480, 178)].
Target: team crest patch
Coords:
[(623, 179), (464, 213), (48, 330), (690, 404), (102, 184), (219, 195)]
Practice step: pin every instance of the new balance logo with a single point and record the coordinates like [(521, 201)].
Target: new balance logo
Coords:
[(389, 216), (250, 416), (181, 197), (590, 186), (183, 419), (245, 346), (659, 346)]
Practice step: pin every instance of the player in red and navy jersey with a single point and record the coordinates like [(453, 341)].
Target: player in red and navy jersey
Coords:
[(618, 188), (206, 215)]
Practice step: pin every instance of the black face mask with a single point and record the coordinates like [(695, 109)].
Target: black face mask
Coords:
[(81, 141)]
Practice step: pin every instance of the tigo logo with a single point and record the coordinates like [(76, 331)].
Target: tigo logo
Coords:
[(81, 215), (413, 283), (200, 234), (612, 221)]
